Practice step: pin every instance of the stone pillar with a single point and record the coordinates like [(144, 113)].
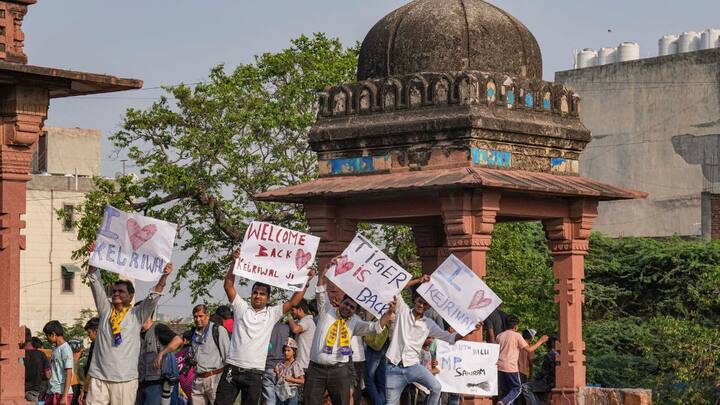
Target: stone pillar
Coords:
[(334, 233), (22, 114), (469, 219), (430, 242), (568, 239)]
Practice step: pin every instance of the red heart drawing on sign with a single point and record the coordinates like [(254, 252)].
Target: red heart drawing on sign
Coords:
[(302, 258), (479, 300), (342, 265), (138, 236)]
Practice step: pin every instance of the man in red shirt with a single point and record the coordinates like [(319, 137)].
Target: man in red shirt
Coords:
[(511, 344)]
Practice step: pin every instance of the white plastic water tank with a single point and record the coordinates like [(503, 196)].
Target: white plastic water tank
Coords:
[(586, 58), (628, 51), (668, 45), (688, 42), (710, 39), (606, 56)]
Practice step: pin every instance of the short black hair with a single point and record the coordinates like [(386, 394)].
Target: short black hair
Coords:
[(28, 335), (551, 342), (188, 335), (92, 324), (303, 304), (526, 334), (36, 342), (224, 312), (54, 327), (512, 321), (129, 285), (258, 284), (200, 307), (312, 306)]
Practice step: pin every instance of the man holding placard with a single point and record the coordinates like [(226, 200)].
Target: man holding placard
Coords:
[(410, 331), (330, 355), (114, 366), (253, 325)]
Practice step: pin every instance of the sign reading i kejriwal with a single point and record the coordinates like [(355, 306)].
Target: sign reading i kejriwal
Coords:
[(133, 245)]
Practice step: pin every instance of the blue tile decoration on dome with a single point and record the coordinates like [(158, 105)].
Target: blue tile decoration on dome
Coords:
[(363, 164), (510, 98), (490, 92), (491, 158), (546, 103)]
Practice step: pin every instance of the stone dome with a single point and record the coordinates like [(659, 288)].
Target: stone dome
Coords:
[(449, 35)]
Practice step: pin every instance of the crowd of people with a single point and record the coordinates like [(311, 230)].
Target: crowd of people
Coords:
[(325, 351)]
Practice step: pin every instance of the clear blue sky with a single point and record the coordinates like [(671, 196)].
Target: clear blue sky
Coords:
[(173, 41)]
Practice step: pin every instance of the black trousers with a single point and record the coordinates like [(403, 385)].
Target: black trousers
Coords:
[(236, 381), (336, 379)]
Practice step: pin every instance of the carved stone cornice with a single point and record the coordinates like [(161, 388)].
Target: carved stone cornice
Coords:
[(570, 235)]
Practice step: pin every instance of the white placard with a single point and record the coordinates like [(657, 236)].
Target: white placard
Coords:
[(468, 368), (133, 245), (277, 256), (368, 276), (458, 295)]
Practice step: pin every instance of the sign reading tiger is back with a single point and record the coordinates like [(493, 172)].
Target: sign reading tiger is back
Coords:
[(133, 245), (458, 295), (368, 276), (277, 256)]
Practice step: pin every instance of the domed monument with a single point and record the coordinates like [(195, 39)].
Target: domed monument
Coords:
[(450, 129)]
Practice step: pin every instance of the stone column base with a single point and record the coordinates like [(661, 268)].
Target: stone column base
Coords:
[(614, 396)]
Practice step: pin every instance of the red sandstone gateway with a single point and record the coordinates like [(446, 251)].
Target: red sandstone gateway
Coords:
[(25, 94), (449, 130)]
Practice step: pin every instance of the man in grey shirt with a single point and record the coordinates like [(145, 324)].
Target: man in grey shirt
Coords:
[(209, 347), (303, 326), (114, 366)]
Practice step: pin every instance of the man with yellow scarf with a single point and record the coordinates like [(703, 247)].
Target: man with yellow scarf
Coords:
[(114, 366), (330, 354)]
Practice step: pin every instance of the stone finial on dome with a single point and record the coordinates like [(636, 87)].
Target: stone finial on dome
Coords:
[(446, 36)]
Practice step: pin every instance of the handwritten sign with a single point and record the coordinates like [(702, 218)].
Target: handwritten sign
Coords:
[(277, 256), (458, 295), (368, 276), (468, 368), (133, 245)]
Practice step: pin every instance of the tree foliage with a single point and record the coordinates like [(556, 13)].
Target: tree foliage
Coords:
[(203, 152)]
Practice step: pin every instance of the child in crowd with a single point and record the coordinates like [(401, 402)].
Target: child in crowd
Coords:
[(525, 359), (61, 366), (289, 376)]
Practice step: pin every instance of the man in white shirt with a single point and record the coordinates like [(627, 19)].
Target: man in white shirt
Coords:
[(410, 330), (302, 325), (331, 352), (253, 325)]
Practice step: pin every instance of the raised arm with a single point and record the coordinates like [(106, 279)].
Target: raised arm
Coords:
[(160, 286), (230, 278), (174, 344), (320, 290), (417, 280), (389, 316), (299, 295), (540, 342), (96, 286), (439, 333), (295, 327)]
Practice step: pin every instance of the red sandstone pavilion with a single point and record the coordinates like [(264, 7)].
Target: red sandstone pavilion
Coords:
[(25, 93), (450, 129)]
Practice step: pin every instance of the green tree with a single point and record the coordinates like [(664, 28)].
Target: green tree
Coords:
[(203, 152)]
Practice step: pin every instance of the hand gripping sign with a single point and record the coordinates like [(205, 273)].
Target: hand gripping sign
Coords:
[(468, 368), (277, 256), (133, 245), (368, 276), (458, 295)]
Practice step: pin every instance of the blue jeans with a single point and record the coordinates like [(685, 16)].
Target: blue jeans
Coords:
[(375, 374), (149, 393), (399, 377), (268, 382), (290, 401)]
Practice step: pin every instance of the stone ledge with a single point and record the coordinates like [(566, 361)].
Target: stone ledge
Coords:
[(614, 396)]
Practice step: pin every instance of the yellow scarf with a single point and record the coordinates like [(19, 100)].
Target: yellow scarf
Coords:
[(115, 320), (339, 326)]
